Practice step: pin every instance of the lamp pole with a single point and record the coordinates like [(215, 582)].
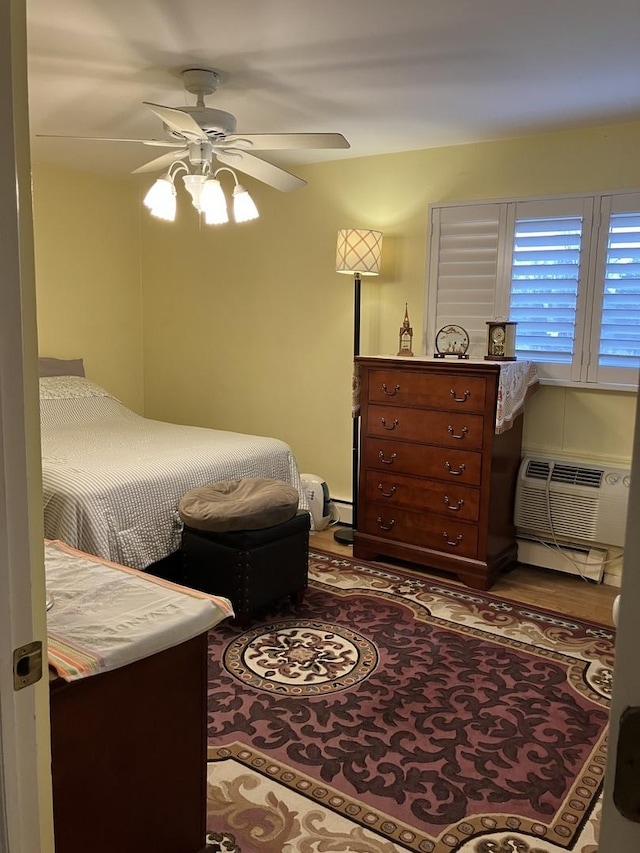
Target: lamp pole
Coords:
[(358, 251), (356, 415), (344, 535)]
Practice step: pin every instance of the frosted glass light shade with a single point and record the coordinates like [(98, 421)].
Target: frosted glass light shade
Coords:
[(244, 208), (359, 250), (194, 184), (161, 199), (213, 203)]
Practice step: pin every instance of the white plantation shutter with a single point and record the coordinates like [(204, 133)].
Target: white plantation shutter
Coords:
[(616, 321), (566, 269), (550, 260), (465, 251)]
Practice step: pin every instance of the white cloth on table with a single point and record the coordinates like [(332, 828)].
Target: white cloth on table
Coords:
[(518, 380), (104, 616)]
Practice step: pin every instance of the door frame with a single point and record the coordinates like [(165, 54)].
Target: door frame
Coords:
[(25, 783), (25, 780), (617, 832)]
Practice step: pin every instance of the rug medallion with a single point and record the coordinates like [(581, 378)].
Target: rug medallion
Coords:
[(395, 712)]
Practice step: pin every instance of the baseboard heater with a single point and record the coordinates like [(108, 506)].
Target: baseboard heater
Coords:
[(586, 562), (345, 510)]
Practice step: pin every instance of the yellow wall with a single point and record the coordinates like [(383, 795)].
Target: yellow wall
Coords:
[(595, 425), (248, 327), (88, 276)]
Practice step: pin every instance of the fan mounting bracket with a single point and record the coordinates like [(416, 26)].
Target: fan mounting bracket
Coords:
[(200, 81)]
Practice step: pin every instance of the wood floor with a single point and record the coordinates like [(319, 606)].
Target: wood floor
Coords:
[(562, 593)]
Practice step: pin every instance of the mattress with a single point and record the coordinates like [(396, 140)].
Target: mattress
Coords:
[(112, 479)]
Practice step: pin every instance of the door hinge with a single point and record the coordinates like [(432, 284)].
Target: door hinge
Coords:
[(626, 786), (27, 665)]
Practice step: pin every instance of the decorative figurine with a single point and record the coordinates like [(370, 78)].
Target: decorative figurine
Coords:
[(406, 334), (452, 340)]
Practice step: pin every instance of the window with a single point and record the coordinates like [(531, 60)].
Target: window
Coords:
[(566, 269)]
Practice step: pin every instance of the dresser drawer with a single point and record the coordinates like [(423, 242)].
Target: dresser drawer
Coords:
[(450, 429), (443, 463), (396, 491), (449, 536), (431, 390)]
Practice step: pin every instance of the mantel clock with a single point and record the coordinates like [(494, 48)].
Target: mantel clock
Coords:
[(501, 340)]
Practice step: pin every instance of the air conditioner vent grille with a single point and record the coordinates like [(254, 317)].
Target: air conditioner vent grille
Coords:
[(538, 470), (577, 476), (576, 518)]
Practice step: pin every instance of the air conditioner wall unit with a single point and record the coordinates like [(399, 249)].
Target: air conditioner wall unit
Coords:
[(574, 500), (570, 502)]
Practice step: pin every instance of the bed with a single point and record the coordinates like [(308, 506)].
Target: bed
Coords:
[(112, 479)]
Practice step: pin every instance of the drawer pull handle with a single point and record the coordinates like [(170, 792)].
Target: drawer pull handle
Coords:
[(457, 473), (384, 494), (386, 391), (384, 526), (463, 399), (465, 430), (450, 506), (387, 461), (455, 544), (383, 421)]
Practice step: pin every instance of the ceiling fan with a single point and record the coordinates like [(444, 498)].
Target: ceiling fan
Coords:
[(202, 134)]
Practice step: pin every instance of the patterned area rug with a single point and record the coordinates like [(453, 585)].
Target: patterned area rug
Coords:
[(393, 712)]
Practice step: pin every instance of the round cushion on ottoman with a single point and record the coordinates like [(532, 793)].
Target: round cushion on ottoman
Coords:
[(248, 504)]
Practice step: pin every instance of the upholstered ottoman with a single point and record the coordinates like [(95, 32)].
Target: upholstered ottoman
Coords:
[(246, 540)]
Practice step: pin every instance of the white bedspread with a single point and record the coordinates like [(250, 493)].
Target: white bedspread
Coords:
[(112, 479)]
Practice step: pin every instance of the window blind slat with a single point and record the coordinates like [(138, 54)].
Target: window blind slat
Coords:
[(544, 286), (620, 321)]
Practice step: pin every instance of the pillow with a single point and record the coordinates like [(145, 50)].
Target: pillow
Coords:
[(250, 504), (69, 387), (60, 367)]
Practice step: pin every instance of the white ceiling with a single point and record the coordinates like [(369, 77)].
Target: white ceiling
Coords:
[(391, 75)]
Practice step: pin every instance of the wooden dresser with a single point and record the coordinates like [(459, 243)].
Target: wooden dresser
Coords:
[(436, 483)]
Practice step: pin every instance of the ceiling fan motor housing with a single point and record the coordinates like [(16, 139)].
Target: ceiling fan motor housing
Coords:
[(215, 123)]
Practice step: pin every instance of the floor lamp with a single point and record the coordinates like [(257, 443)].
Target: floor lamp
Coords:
[(358, 252)]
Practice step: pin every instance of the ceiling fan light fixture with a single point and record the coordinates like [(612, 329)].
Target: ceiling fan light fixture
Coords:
[(206, 194), (244, 207), (213, 203), (194, 184), (161, 199)]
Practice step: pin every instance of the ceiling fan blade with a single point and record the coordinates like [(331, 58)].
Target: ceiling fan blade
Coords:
[(161, 162), (281, 141), (260, 169), (180, 122), (158, 142)]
